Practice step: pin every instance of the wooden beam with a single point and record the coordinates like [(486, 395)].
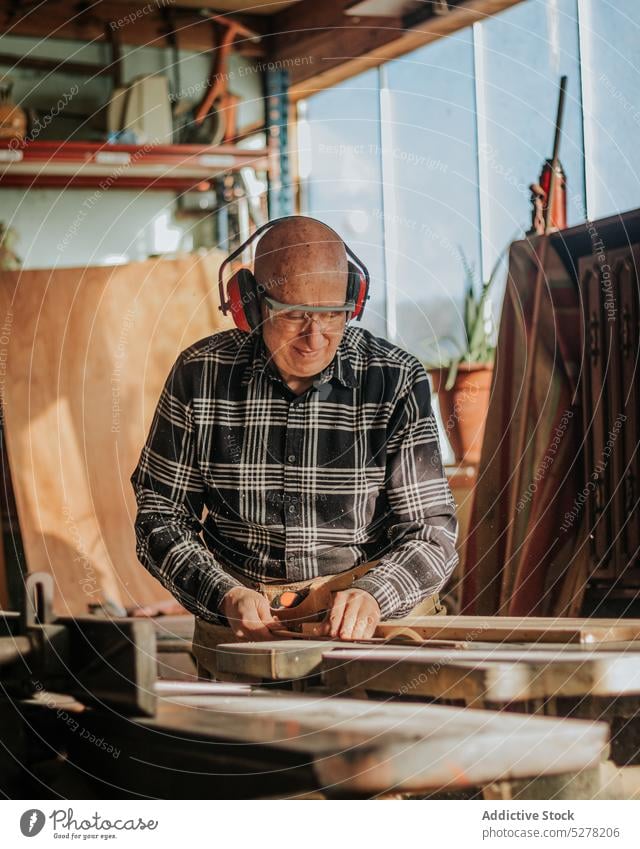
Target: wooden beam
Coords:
[(382, 7), (112, 662), (308, 15), (62, 66), (497, 676), (278, 660), (514, 629), (62, 20), (320, 44), (338, 46), (261, 8)]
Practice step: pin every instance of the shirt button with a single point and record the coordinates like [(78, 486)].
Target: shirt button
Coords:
[(291, 458), (292, 508), (291, 558)]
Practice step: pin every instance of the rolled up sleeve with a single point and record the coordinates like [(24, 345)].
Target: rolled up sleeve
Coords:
[(422, 528), (170, 495)]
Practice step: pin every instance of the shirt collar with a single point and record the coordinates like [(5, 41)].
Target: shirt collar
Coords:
[(340, 368)]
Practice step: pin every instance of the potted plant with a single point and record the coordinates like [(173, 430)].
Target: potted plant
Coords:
[(462, 378)]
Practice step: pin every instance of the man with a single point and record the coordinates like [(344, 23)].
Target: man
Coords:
[(313, 446)]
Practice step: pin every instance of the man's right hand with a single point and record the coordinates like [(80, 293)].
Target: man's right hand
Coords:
[(249, 614)]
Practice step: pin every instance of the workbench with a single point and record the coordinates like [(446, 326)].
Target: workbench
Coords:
[(84, 713), (553, 679), (212, 743)]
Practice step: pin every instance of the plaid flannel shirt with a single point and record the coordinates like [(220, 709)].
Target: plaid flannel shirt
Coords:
[(295, 486)]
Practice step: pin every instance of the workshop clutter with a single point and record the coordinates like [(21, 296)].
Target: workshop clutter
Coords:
[(142, 111)]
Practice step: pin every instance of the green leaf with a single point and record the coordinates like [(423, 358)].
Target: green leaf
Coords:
[(453, 373), (470, 315)]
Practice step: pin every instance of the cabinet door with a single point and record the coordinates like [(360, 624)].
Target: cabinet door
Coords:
[(611, 400), (595, 418), (626, 273)]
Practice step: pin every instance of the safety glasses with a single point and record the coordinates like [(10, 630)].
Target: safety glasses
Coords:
[(298, 315)]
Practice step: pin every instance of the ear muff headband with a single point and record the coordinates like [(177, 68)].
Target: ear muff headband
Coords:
[(243, 290)]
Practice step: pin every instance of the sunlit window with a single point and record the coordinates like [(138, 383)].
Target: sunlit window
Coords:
[(431, 155)]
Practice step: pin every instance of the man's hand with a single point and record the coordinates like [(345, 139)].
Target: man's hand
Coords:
[(249, 614), (354, 615)]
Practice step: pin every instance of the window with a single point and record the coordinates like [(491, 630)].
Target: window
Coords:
[(521, 56), (610, 39), (464, 127), (431, 211), (340, 168)]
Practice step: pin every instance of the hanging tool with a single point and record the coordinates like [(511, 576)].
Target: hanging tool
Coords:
[(549, 194), (209, 120)]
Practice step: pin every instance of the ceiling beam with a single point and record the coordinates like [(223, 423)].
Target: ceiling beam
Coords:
[(130, 23), (320, 43), (323, 45)]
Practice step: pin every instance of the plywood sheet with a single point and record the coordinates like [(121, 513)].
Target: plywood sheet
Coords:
[(272, 660), (87, 353), (513, 629)]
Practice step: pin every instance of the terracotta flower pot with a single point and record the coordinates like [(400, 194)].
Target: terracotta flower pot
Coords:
[(463, 408)]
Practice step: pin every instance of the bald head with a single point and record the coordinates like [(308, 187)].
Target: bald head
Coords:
[(302, 261)]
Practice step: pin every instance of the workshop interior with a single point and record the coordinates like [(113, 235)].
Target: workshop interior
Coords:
[(480, 162)]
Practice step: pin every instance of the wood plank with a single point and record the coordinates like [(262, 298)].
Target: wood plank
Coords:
[(369, 747), (499, 676), (89, 350), (192, 29), (172, 628), (515, 629), (336, 46), (282, 659), (274, 660), (98, 662), (172, 689), (297, 659), (111, 662)]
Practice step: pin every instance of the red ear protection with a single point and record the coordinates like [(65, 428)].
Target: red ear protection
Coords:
[(242, 300), (357, 288), (243, 290)]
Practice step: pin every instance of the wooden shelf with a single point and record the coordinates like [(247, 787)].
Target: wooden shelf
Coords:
[(53, 164)]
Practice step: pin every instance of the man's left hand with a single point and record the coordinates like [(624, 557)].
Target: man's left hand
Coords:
[(354, 615)]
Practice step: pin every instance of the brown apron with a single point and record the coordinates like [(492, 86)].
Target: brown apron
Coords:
[(207, 636)]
